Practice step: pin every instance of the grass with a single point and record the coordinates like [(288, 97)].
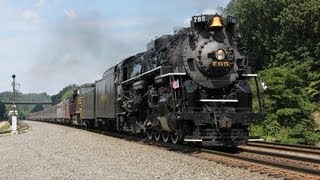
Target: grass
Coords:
[(5, 127)]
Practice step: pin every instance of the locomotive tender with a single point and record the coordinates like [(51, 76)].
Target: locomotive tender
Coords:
[(191, 86)]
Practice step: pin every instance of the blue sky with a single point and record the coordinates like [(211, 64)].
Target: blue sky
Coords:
[(50, 44)]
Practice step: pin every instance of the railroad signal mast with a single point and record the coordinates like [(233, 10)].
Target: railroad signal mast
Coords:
[(14, 85), (14, 94), (14, 113)]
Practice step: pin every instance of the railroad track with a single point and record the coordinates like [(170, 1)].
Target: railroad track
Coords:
[(276, 162), (279, 160), (287, 147), (282, 163), (300, 160)]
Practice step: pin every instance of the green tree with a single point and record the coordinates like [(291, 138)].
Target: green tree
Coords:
[(37, 108), (288, 109), (284, 34), (24, 110), (65, 93), (257, 28), (2, 111), (279, 32)]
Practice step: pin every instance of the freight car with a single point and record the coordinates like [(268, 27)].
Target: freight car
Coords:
[(191, 86), (63, 111), (84, 107)]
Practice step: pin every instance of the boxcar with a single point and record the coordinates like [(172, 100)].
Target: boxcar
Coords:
[(63, 111), (50, 114)]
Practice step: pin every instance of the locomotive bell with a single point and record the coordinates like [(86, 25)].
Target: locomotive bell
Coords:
[(216, 22)]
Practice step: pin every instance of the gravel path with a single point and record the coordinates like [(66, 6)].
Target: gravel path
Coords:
[(49, 151)]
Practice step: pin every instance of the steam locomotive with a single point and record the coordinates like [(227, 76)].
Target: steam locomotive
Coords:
[(188, 87)]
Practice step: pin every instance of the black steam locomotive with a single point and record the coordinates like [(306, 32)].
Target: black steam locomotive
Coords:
[(191, 86)]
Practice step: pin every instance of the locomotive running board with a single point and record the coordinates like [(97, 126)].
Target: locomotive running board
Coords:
[(249, 75), (193, 140), (174, 74), (141, 75), (218, 100)]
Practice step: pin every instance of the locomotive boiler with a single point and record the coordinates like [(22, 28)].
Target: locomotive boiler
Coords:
[(191, 86)]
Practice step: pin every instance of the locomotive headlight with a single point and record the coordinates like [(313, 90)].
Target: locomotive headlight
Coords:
[(220, 54)]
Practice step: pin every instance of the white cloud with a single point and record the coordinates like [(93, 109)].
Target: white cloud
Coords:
[(31, 16), (40, 3), (71, 14), (55, 2)]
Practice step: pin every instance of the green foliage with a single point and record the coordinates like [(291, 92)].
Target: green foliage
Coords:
[(31, 97), (65, 93), (37, 108), (278, 32), (2, 111), (298, 37), (283, 34), (23, 110), (256, 36), (288, 109)]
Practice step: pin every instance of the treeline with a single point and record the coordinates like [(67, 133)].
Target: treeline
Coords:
[(23, 110), (282, 41), (65, 93)]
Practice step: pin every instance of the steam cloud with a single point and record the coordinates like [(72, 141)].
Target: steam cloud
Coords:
[(79, 51)]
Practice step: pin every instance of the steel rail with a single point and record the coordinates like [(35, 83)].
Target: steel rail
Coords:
[(287, 147), (289, 167)]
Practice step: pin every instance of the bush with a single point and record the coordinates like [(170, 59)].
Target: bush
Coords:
[(288, 108)]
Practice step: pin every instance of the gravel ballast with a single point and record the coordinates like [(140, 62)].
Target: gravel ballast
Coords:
[(49, 151)]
